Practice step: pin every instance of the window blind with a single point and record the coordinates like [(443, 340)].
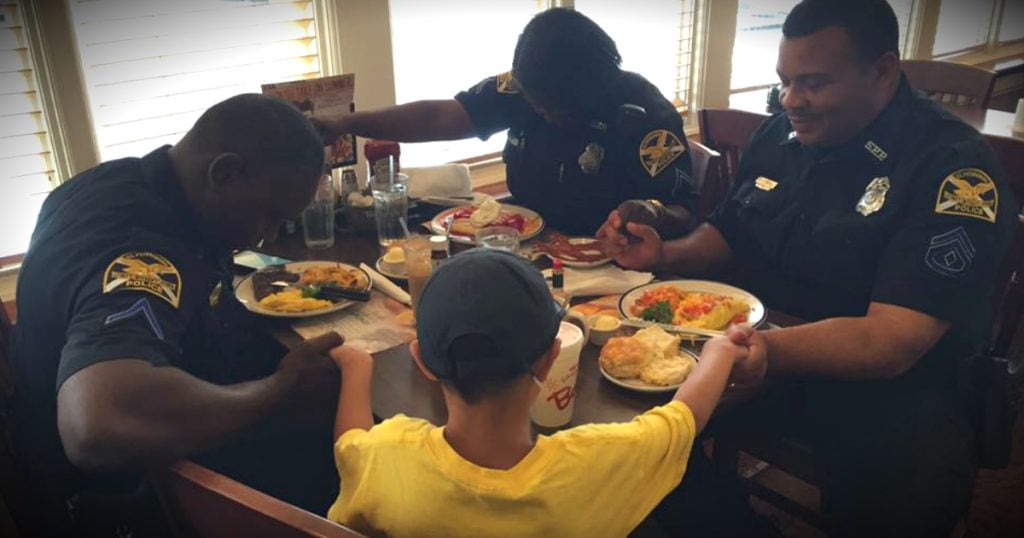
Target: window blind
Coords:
[(655, 39), (151, 67), (26, 161), (441, 48)]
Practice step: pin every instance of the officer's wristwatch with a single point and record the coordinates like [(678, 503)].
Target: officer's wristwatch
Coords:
[(659, 210)]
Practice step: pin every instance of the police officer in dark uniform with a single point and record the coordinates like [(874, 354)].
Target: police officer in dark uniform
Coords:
[(880, 219), (130, 350), (583, 135)]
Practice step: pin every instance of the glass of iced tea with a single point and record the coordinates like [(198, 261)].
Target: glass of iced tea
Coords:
[(417, 265)]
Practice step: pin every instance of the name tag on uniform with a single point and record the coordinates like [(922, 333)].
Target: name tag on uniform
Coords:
[(765, 184)]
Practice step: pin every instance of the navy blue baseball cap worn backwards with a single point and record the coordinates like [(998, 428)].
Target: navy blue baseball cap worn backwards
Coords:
[(485, 312)]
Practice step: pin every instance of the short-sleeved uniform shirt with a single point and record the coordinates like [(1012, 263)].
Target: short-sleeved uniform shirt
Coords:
[(913, 212), (118, 267), (575, 176), (402, 478)]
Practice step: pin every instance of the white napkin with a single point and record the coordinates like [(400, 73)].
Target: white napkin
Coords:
[(605, 280), (384, 285), (443, 180)]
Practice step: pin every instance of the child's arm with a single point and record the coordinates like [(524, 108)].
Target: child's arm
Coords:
[(703, 388), (354, 410)]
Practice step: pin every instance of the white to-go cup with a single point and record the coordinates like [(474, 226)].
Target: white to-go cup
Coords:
[(557, 398)]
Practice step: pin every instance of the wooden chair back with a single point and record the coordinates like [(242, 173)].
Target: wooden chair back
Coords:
[(1008, 337), (728, 132), (10, 477), (201, 503), (962, 89), (6, 364), (707, 180)]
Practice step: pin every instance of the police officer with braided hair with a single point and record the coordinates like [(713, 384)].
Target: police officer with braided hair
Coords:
[(583, 135)]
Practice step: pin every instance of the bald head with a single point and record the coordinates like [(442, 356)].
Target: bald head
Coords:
[(264, 131), (248, 163)]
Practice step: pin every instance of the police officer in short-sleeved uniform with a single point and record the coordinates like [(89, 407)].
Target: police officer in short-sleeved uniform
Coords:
[(120, 268), (633, 148), (912, 212)]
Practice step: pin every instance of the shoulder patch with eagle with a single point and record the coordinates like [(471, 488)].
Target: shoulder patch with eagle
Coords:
[(968, 192), (658, 149), (146, 272), (505, 83)]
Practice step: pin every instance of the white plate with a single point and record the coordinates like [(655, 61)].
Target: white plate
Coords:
[(244, 292), (390, 274), (757, 310), (438, 224), (579, 264), (640, 385)]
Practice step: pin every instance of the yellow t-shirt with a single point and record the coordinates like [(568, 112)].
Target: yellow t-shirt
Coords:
[(402, 478)]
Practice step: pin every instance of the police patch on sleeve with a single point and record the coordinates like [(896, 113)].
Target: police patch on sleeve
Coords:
[(968, 192), (658, 149), (506, 84), (951, 253), (144, 271)]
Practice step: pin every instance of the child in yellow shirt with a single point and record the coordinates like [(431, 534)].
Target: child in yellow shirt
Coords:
[(486, 331)]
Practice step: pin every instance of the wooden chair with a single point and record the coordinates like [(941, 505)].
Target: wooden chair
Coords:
[(727, 132), (10, 478), (707, 179), (202, 503), (963, 89), (1008, 333)]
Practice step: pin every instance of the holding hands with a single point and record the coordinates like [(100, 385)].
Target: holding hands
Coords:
[(629, 237), (347, 357), (747, 348)]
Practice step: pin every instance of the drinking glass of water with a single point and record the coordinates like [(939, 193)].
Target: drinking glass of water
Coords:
[(390, 207), (498, 237), (318, 218)]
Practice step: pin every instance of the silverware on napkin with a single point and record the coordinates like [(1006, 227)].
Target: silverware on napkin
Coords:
[(641, 324), (384, 285)]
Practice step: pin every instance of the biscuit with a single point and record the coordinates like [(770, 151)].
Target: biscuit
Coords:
[(623, 357), (667, 371), (656, 337)]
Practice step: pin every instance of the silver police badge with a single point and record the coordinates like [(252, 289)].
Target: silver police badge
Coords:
[(874, 196), (590, 159)]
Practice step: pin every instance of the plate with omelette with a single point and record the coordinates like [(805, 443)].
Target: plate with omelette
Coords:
[(693, 304), (302, 289), (462, 223), (648, 361)]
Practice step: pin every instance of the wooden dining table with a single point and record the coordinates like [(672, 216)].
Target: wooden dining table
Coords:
[(398, 387)]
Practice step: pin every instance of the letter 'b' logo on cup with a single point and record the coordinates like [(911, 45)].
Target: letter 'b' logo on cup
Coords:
[(562, 397)]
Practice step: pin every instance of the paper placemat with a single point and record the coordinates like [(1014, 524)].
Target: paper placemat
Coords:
[(370, 327)]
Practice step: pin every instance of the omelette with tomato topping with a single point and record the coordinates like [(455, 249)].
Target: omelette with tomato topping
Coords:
[(694, 309)]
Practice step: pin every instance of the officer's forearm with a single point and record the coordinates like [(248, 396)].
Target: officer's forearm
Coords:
[(702, 252), (419, 121), (883, 344), (128, 413)]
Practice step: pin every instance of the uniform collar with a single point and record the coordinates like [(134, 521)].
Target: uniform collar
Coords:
[(878, 142), (618, 95), (159, 172)]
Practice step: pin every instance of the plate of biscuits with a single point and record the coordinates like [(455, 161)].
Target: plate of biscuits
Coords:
[(650, 360)]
